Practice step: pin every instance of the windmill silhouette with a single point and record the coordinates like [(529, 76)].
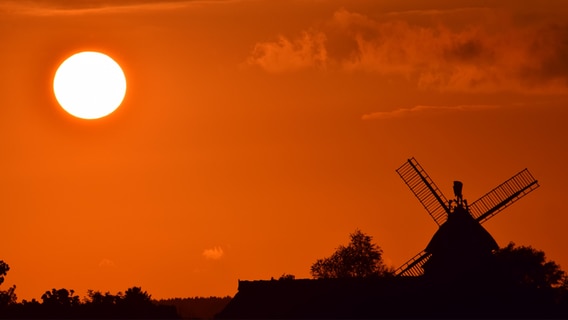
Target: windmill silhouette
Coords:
[(460, 241)]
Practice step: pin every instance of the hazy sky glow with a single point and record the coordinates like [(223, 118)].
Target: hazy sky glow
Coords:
[(256, 135)]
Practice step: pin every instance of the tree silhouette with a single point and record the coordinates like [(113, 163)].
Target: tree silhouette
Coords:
[(527, 267), (197, 307), (65, 304), (4, 268), (287, 276), (135, 296), (97, 298), (134, 303), (360, 259), (60, 303), (60, 297), (7, 297)]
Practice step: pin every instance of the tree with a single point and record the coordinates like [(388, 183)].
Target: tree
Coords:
[(99, 299), (60, 298), (360, 259), (136, 296), (4, 268), (287, 276), (7, 297), (527, 267)]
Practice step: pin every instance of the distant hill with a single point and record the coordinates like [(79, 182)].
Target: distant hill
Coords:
[(197, 307)]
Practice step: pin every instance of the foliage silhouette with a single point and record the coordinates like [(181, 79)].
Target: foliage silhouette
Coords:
[(359, 259), (287, 276), (60, 297), (4, 268), (527, 267), (64, 304), (197, 307), (7, 297), (136, 296), (99, 299)]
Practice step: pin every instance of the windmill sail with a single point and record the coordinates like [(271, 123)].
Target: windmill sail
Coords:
[(503, 196), (413, 267), (425, 190)]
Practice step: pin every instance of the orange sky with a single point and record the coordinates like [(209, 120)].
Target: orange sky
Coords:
[(256, 135)]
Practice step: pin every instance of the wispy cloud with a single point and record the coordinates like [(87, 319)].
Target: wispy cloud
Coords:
[(283, 55), (417, 110), (65, 7), (106, 263), (214, 253), (467, 50)]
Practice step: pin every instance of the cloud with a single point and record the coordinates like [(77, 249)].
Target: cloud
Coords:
[(465, 50), (106, 263), (405, 112), (307, 51), (63, 7), (214, 253)]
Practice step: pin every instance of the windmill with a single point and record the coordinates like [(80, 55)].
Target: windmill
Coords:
[(460, 239)]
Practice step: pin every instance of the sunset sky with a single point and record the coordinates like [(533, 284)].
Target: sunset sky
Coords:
[(255, 135)]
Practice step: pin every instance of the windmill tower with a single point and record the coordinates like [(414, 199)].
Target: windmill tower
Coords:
[(460, 241)]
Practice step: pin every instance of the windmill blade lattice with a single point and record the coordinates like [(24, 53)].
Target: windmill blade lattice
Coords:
[(425, 190), (413, 267), (503, 196)]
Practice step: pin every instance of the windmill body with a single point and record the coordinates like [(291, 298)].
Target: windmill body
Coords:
[(460, 244)]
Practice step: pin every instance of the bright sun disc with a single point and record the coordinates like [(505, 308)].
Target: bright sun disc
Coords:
[(89, 85)]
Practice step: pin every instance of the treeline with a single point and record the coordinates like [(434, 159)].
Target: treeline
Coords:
[(198, 307), (134, 303)]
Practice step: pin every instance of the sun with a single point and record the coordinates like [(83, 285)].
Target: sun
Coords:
[(89, 85)]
